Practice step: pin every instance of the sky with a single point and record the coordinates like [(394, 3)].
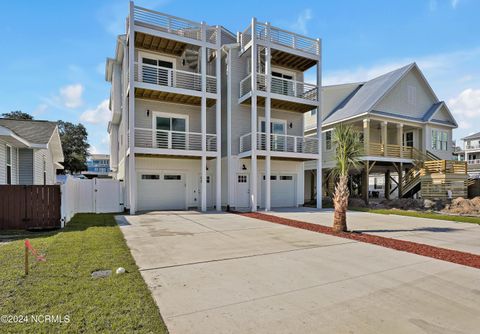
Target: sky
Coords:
[(52, 59)]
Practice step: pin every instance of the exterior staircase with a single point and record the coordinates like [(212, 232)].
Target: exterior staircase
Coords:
[(435, 177)]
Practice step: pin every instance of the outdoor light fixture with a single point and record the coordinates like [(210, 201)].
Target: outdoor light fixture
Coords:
[(148, 112), (290, 125), (244, 167)]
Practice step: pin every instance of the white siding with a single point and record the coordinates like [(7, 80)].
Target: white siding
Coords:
[(397, 100), (40, 155), (3, 166), (445, 155)]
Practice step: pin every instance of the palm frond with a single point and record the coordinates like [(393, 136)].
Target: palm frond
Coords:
[(348, 149)]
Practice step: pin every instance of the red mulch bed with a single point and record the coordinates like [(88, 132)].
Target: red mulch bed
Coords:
[(466, 259)]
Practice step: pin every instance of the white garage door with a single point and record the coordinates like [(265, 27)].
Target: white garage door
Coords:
[(283, 190), (161, 191)]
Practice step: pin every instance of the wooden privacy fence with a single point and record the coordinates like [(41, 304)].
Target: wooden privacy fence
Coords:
[(30, 207)]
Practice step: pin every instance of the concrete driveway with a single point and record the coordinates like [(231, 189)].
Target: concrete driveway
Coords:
[(224, 273), (463, 237)]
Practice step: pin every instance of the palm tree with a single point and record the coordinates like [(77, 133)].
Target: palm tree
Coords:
[(348, 149)]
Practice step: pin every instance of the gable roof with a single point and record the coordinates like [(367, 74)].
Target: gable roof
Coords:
[(367, 95), (36, 132), (473, 136)]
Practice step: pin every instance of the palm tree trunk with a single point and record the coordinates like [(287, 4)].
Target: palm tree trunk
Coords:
[(340, 201)]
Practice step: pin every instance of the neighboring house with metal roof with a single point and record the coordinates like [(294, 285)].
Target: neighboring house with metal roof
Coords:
[(30, 152), (471, 153), (398, 115)]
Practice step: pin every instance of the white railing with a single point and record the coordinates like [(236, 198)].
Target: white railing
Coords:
[(473, 147), (474, 162), (173, 25), (164, 76), (281, 37), (280, 143), (292, 88), (246, 85), (173, 140)]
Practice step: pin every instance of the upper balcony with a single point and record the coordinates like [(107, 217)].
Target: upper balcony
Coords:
[(286, 94), (173, 28), (285, 43), (281, 145)]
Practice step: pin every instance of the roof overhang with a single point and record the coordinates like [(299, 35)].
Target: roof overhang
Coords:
[(12, 138)]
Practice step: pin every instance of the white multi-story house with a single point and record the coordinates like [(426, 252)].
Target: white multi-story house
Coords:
[(471, 153), (189, 99), (401, 121)]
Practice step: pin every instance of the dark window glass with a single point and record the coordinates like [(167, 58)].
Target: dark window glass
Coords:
[(172, 177), (150, 177)]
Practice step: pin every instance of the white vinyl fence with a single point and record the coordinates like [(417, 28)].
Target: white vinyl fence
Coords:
[(90, 196)]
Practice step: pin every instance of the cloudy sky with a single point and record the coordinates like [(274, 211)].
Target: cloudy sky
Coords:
[(53, 53)]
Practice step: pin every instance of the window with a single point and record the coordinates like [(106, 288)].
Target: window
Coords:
[(9, 164), (150, 177), (313, 112), (277, 130), (412, 95), (282, 83), (408, 139), (272, 177), (286, 178), (242, 179), (44, 172), (168, 177), (439, 140), (176, 125), (328, 140), (157, 71)]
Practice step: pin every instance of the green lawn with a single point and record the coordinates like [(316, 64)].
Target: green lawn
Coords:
[(431, 215), (63, 285)]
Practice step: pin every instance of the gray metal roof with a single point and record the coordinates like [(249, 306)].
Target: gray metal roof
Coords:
[(36, 132), (474, 136), (364, 98)]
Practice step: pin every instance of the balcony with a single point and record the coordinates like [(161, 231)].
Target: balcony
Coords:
[(281, 145), (472, 147), (285, 93), (150, 141), (392, 151), (281, 38), (173, 27), (167, 84)]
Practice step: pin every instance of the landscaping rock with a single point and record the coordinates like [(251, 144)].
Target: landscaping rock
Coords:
[(356, 203), (429, 204), (101, 273), (120, 270)]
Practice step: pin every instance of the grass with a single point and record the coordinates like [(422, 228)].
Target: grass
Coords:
[(419, 214), (63, 286)]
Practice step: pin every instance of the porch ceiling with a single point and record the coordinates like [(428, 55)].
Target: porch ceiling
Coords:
[(284, 59), (173, 156), (282, 104), (159, 44), (156, 95)]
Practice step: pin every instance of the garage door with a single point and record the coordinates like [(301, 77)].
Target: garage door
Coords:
[(283, 190), (161, 191)]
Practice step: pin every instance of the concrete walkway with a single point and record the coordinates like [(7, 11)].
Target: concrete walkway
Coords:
[(463, 237), (224, 273)]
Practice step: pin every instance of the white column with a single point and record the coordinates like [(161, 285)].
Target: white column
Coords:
[(366, 136), (384, 137), (230, 177), (319, 126), (400, 138), (218, 127), (203, 120), (253, 121), (268, 117), (132, 182)]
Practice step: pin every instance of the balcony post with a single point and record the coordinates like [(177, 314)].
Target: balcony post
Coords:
[(319, 129), (268, 120), (132, 174), (253, 121), (203, 118), (366, 136), (218, 125), (384, 138), (400, 138)]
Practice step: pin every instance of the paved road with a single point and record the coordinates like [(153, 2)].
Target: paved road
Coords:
[(464, 237), (224, 273)]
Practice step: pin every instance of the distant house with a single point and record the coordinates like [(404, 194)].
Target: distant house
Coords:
[(471, 153), (30, 152), (98, 165)]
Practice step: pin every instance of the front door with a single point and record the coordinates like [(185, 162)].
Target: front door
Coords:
[(277, 130), (408, 139), (242, 191), (170, 131), (157, 71)]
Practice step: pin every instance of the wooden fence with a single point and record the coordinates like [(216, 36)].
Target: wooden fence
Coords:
[(30, 207)]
